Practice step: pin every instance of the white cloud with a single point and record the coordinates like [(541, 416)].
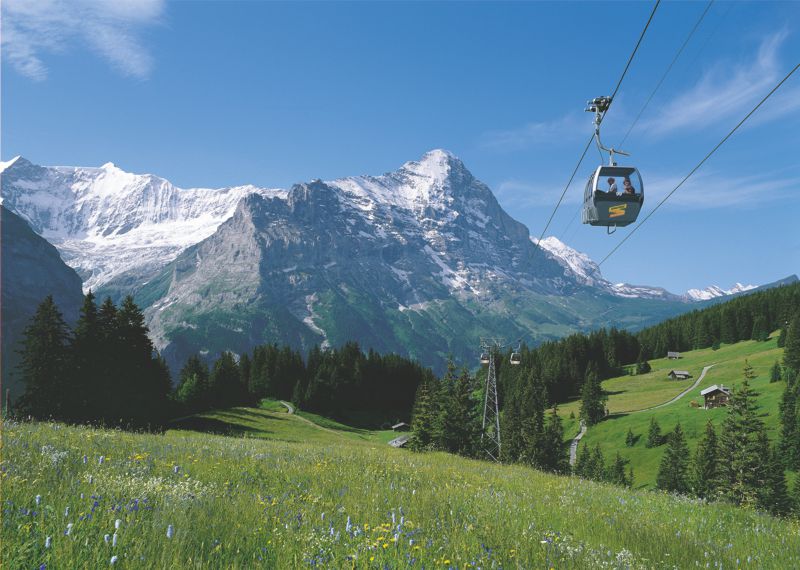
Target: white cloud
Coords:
[(34, 28), (711, 190), (565, 129), (727, 91)]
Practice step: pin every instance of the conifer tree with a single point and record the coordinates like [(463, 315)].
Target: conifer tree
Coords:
[(704, 466), (593, 400), (773, 493), (794, 498), (193, 387), (782, 337), (673, 471), (775, 372), (598, 464), (44, 364), (630, 438), (245, 372), (789, 440), (224, 382), (86, 370), (760, 328), (554, 455), (584, 466), (742, 458), (654, 438), (748, 371), (791, 351), (423, 418), (617, 474)]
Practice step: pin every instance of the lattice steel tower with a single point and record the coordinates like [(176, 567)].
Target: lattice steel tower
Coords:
[(490, 434)]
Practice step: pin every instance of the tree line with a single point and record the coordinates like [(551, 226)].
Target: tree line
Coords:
[(107, 371)]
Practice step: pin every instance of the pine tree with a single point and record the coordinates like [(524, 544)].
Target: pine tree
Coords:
[(224, 382), (193, 388), (423, 418), (584, 463), (789, 440), (774, 495), (245, 372), (593, 400), (598, 472), (794, 498), (791, 351), (630, 438), (44, 364), (617, 474), (704, 467), (555, 456), (728, 332), (760, 327), (673, 471), (748, 371), (86, 364), (642, 366), (775, 372), (782, 337), (741, 455), (654, 438)]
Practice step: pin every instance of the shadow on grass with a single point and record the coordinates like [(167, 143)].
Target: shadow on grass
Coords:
[(213, 425)]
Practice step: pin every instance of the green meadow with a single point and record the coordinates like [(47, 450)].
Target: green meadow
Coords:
[(630, 396), (296, 491)]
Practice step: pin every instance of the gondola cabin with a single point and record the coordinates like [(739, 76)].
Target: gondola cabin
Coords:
[(613, 197), (516, 358), (485, 358)]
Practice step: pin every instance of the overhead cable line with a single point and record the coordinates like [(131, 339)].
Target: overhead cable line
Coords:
[(666, 72), (652, 94), (699, 164), (586, 148)]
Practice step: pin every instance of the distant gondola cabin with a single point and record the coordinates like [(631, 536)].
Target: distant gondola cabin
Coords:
[(716, 396), (679, 375)]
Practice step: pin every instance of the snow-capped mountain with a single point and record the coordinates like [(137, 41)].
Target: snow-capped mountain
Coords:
[(107, 223), (421, 261), (714, 291)]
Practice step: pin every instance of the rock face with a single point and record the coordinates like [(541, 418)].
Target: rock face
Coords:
[(421, 261), (113, 225), (31, 270)]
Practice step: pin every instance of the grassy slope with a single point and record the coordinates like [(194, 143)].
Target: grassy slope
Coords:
[(283, 497), (628, 393)]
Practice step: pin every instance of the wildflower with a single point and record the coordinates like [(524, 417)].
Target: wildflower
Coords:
[(85, 459), (101, 460), (38, 499), (348, 526), (323, 516), (69, 529), (47, 542), (66, 512), (114, 560), (170, 531), (106, 538), (114, 540), (176, 469), (117, 524)]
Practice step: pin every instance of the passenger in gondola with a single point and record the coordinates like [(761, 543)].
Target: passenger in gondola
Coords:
[(627, 187), (612, 186)]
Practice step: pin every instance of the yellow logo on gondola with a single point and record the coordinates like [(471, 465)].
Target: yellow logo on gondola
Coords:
[(617, 211)]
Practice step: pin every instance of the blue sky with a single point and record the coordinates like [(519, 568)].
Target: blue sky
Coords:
[(271, 93)]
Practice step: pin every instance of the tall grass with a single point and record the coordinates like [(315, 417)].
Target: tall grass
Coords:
[(261, 503)]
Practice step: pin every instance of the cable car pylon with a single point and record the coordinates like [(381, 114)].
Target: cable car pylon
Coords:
[(490, 430)]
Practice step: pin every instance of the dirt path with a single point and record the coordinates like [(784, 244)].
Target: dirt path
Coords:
[(676, 398), (290, 411), (573, 447)]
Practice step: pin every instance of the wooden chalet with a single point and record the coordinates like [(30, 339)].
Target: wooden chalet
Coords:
[(673, 355), (402, 426), (715, 396), (679, 375), (401, 441)]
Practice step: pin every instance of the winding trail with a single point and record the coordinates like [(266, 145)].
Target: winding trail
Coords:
[(289, 407), (676, 398), (573, 447), (290, 411)]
